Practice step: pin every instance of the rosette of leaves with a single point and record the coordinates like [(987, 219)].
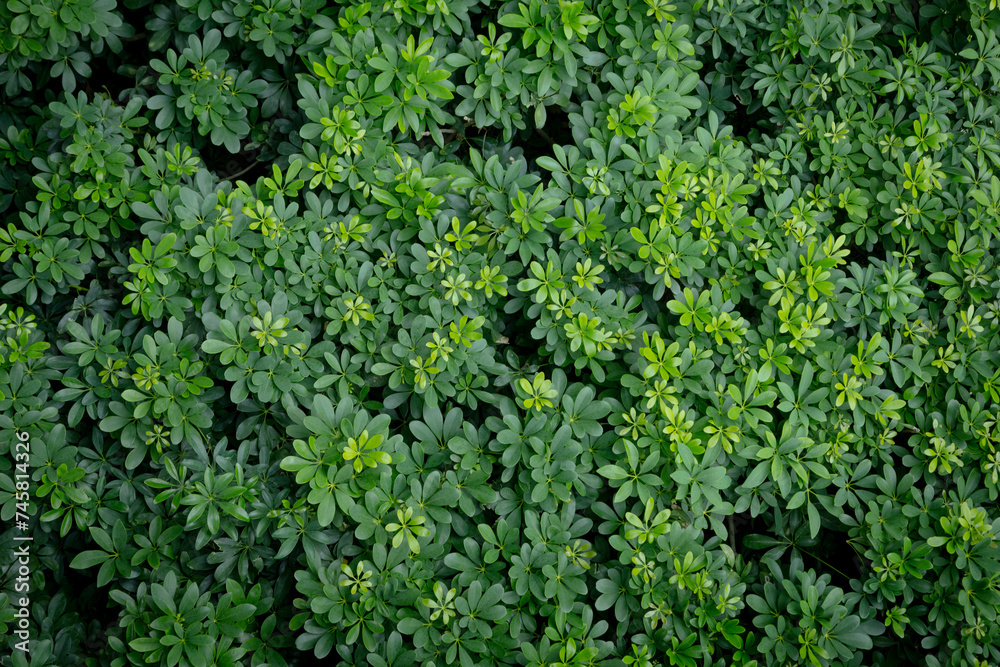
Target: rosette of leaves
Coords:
[(199, 86), (273, 28), (62, 36)]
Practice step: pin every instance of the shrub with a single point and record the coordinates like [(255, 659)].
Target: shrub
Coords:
[(519, 333)]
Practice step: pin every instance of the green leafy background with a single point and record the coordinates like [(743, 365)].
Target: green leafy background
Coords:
[(535, 332)]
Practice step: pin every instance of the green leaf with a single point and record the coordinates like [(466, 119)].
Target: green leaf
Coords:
[(87, 559), (612, 472)]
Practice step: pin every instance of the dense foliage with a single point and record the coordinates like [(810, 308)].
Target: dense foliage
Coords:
[(548, 333)]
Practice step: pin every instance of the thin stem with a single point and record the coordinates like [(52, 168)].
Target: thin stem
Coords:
[(241, 172), (544, 135), (823, 562)]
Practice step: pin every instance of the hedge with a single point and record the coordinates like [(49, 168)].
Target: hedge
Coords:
[(536, 333)]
